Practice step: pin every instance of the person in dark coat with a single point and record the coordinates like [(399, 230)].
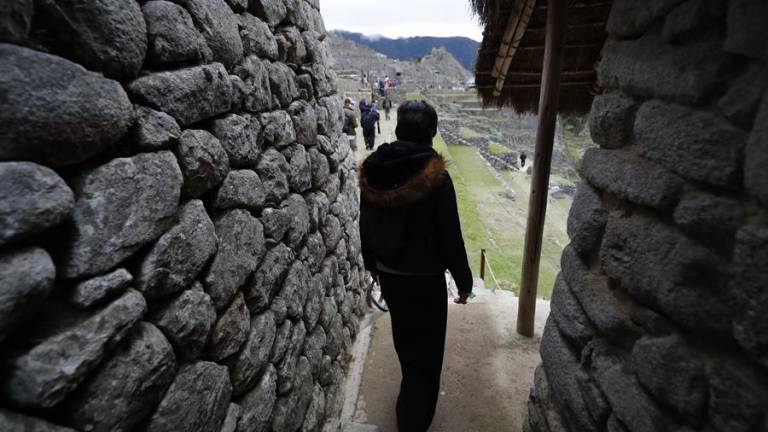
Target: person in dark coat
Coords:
[(369, 117), (410, 233)]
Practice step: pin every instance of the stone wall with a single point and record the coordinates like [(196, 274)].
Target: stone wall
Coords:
[(178, 239), (659, 317)]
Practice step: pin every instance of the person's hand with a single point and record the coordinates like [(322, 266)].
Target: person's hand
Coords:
[(462, 298)]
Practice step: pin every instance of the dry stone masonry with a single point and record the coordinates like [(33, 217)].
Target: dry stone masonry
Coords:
[(178, 240), (658, 319)]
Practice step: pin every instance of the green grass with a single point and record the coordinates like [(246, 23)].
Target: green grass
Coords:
[(467, 133), (491, 222), (497, 149)]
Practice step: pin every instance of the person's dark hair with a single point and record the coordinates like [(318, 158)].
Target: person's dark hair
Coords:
[(416, 122)]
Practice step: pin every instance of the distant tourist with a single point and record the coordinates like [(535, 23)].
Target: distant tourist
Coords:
[(369, 117), (350, 123), (387, 105), (410, 232), (382, 88), (523, 157)]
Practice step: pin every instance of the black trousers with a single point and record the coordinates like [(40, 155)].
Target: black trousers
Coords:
[(370, 140), (418, 306)]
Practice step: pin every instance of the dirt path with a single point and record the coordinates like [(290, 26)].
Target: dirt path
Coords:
[(487, 374)]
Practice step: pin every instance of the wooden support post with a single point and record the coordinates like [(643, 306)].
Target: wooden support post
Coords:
[(482, 264), (557, 14)]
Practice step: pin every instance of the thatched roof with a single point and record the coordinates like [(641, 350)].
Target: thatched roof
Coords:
[(515, 32)]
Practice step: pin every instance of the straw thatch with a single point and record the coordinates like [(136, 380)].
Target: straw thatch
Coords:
[(524, 24)]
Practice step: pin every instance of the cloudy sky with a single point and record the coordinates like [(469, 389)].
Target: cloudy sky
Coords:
[(396, 18)]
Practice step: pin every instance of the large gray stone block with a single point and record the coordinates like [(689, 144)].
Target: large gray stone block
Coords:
[(27, 276), (748, 286), (245, 367), (663, 269), (291, 45), (16, 20), (710, 217), (295, 288), (289, 411), (738, 396), (196, 401), (649, 67), (241, 137), (287, 367), (92, 114), (332, 232), (33, 198), (231, 419), (108, 36), (173, 38), (179, 255), (314, 251), (563, 373), (189, 95), (97, 290), (155, 130), (218, 24), (304, 123), (586, 220), (278, 129), (230, 331), (273, 171), (257, 38), (203, 161), (741, 102), (268, 278), (318, 208), (120, 206), (299, 168), (569, 315), (128, 386), (746, 33), (276, 222), (282, 336), (631, 178), (698, 146), (299, 211), (755, 174), (606, 311), (51, 370), (241, 247), (673, 373), (15, 422), (630, 19), (282, 82), (257, 405), (241, 189), (273, 12), (611, 120), (186, 321), (315, 416), (321, 169), (690, 18), (636, 410), (258, 93)]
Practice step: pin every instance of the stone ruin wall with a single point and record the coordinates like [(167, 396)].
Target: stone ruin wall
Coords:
[(659, 316), (178, 239)]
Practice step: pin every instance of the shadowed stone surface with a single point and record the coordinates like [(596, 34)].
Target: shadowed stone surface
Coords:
[(241, 247), (203, 161), (120, 206), (196, 401), (257, 39), (755, 174), (33, 198), (155, 130), (245, 367), (128, 385), (11, 421), (230, 331), (173, 38), (179, 255), (748, 282), (586, 220), (282, 81), (27, 277), (241, 138), (273, 171), (77, 129), (241, 189), (15, 20), (273, 12), (218, 24), (46, 374), (187, 321), (108, 36), (258, 95), (258, 404), (101, 288), (189, 95), (267, 279), (611, 120)]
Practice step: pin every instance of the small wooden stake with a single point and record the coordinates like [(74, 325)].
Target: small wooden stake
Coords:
[(557, 14), (482, 264)]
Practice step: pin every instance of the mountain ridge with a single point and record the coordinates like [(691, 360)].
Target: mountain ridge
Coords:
[(410, 48)]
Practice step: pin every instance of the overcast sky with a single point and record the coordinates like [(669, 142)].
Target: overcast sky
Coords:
[(396, 18)]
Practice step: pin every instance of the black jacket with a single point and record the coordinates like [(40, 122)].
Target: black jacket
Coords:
[(409, 221)]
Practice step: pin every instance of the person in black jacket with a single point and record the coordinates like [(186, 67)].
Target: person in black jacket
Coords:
[(410, 232)]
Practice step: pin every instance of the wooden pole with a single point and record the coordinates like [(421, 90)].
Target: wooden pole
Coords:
[(482, 264), (557, 14)]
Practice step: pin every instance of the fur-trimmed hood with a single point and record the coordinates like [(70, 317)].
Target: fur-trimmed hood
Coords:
[(400, 173)]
